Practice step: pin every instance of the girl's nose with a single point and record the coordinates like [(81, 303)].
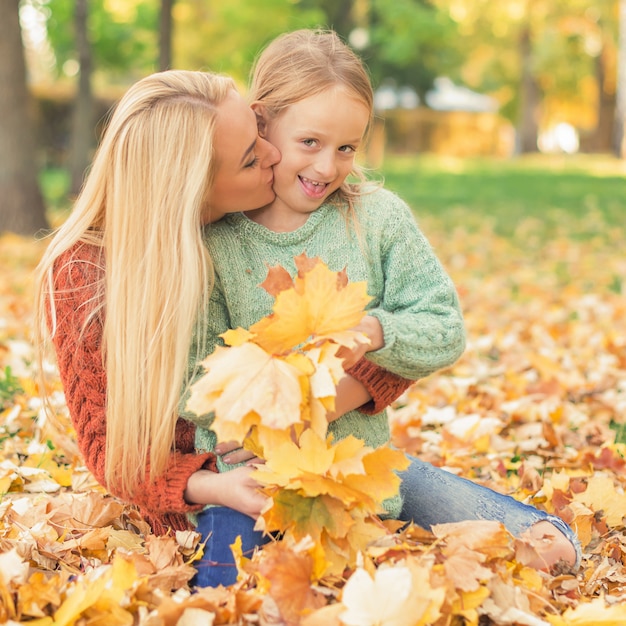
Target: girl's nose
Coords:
[(325, 166)]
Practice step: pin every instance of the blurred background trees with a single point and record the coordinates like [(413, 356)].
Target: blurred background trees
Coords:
[(454, 76), (21, 203)]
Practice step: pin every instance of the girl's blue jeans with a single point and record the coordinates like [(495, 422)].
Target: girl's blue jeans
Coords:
[(430, 496)]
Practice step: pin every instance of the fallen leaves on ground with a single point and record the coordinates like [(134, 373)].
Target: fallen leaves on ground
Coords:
[(531, 410)]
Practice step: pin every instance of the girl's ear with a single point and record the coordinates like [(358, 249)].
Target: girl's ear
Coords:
[(261, 117)]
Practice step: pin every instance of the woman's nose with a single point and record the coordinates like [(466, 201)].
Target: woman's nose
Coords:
[(271, 155)]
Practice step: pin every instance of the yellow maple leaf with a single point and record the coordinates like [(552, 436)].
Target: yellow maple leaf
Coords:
[(285, 368), (316, 308), (347, 470), (380, 480)]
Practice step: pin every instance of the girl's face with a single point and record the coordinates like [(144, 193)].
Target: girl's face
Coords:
[(317, 138), (243, 178)]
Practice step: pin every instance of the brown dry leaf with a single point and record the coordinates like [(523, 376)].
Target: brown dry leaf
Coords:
[(290, 574)]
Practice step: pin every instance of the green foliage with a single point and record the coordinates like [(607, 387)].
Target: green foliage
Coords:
[(55, 187), (124, 36), (227, 36), (9, 387), (412, 42)]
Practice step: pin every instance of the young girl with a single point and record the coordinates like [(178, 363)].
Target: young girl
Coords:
[(313, 100)]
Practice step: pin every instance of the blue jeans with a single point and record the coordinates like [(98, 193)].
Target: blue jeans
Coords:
[(430, 496), (220, 526)]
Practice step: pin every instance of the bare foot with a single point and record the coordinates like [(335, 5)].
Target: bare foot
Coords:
[(550, 545)]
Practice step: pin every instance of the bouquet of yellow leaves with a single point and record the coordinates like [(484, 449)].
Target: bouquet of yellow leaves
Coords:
[(287, 364)]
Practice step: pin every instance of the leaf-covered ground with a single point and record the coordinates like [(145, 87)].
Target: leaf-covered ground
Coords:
[(534, 409)]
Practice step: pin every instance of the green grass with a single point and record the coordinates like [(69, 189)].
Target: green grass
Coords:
[(577, 194)]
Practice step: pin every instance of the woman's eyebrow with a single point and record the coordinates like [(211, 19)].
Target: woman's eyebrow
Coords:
[(247, 152)]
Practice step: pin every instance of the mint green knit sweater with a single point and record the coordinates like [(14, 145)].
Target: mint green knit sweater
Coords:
[(412, 296)]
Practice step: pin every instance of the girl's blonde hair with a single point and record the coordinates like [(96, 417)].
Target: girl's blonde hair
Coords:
[(303, 63), (142, 206)]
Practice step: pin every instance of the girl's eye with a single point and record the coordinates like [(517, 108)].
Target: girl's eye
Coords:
[(308, 142), (253, 163), (347, 149)]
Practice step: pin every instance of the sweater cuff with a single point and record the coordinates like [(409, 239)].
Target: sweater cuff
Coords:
[(169, 489), (384, 386)]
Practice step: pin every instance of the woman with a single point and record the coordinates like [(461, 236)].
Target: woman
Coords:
[(124, 286)]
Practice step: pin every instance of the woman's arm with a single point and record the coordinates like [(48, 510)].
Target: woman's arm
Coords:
[(83, 376)]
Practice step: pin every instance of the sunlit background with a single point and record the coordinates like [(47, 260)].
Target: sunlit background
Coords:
[(458, 79)]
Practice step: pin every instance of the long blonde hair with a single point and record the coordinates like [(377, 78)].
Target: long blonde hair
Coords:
[(142, 206), (303, 63)]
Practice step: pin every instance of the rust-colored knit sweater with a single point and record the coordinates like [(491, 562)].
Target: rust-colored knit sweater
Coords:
[(82, 374)]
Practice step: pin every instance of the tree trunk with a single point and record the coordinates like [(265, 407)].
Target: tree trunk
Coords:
[(603, 134), (165, 35), (83, 134), (530, 97), (21, 204), (619, 133)]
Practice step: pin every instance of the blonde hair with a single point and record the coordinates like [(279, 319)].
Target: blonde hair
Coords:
[(142, 206), (303, 63)]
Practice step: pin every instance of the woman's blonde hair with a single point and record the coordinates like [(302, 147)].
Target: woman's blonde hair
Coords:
[(142, 206), (303, 63)]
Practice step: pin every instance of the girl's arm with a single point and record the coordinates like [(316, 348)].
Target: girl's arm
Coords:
[(418, 310)]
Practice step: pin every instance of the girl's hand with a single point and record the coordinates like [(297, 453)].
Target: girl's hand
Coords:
[(371, 328), (232, 453), (235, 489)]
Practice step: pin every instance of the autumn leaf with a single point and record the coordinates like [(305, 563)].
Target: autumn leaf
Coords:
[(593, 613), (315, 309), (272, 389), (303, 516), (395, 596), (104, 592), (290, 574)]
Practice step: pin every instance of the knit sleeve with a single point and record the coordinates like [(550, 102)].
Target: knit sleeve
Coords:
[(419, 309), (384, 386), (82, 373)]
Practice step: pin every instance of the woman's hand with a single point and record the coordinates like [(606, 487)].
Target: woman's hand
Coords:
[(235, 489), (371, 328)]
